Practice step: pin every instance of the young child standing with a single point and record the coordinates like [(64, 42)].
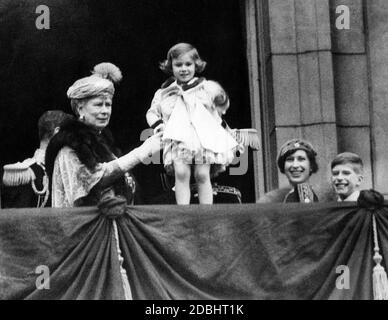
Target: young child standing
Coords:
[(188, 110)]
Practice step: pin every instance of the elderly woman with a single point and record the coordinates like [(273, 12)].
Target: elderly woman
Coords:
[(83, 164), (297, 160)]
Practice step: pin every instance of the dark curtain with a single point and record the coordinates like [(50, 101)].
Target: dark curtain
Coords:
[(248, 251)]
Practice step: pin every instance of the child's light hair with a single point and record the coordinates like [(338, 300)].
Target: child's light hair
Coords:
[(176, 51), (349, 158)]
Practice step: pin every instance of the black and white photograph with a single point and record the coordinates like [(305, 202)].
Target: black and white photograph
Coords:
[(213, 152)]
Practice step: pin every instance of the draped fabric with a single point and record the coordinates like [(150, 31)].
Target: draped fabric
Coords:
[(245, 251), (77, 247)]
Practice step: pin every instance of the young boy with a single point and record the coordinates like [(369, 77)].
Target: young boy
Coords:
[(347, 176), (24, 184)]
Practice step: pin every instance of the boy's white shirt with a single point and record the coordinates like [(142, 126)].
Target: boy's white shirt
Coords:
[(352, 197)]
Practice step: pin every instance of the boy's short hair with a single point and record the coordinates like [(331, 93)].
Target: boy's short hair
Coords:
[(348, 158), (49, 120)]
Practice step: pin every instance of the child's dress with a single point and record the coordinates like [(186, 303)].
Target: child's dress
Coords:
[(193, 132)]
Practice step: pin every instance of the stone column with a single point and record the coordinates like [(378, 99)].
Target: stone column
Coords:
[(303, 85), (377, 23), (351, 84)]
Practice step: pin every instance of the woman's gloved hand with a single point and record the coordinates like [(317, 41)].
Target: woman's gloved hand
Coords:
[(149, 147)]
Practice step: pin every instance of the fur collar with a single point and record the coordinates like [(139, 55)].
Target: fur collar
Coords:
[(90, 146)]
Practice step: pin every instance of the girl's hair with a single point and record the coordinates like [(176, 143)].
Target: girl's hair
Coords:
[(176, 51)]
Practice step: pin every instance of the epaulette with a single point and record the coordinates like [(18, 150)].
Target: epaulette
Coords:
[(246, 137), (19, 173)]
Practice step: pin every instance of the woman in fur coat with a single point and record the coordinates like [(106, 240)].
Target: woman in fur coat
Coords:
[(81, 160)]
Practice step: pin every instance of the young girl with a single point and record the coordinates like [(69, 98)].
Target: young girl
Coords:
[(188, 110)]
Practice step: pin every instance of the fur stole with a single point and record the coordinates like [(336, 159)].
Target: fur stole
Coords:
[(90, 146)]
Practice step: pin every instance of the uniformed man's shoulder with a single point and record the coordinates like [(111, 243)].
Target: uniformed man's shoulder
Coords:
[(19, 173)]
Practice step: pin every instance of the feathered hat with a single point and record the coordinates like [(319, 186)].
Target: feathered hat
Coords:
[(102, 80)]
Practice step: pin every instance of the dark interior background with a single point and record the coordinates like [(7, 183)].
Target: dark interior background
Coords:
[(38, 66)]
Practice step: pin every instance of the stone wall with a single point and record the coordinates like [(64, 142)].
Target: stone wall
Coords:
[(330, 86)]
